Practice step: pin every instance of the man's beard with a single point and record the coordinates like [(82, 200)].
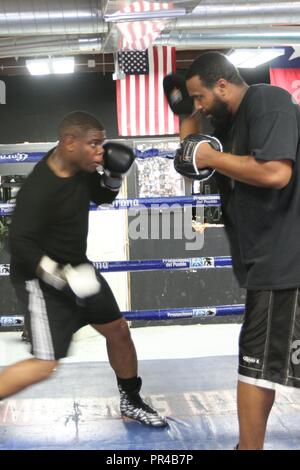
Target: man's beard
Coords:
[(221, 118)]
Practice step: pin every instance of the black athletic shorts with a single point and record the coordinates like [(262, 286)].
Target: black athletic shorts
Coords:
[(53, 316), (269, 345)]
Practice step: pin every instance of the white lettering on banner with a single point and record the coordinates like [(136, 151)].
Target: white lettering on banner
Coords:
[(166, 222), (7, 208), (4, 269), (180, 314), (11, 321), (2, 92), (101, 265), (208, 262), (296, 353), (19, 157), (204, 312), (171, 263), (126, 203)]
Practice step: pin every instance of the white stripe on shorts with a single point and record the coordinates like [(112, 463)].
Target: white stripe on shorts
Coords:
[(42, 344), (258, 382)]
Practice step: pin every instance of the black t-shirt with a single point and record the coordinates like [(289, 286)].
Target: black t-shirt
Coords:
[(51, 217), (263, 224)]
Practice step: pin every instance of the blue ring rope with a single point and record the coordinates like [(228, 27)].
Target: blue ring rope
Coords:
[(192, 312), (143, 203), (165, 264), (34, 157), (21, 157), (153, 264), (161, 314)]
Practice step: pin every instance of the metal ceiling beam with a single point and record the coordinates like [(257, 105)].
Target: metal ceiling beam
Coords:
[(247, 8), (50, 46), (197, 22), (225, 37), (62, 24), (30, 17)]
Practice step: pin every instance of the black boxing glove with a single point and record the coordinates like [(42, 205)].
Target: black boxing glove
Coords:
[(117, 159), (185, 157), (177, 95)]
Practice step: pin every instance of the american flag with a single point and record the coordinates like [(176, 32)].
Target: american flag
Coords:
[(141, 105), (140, 34), (285, 72), (289, 79), (133, 62)]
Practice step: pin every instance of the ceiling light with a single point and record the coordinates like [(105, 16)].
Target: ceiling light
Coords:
[(251, 58), (63, 64), (57, 65), (38, 67)]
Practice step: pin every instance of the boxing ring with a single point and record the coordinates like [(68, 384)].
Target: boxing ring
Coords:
[(151, 265), (196, 393)]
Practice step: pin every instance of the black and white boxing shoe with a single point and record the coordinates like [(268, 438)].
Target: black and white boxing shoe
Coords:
[(133, 406)]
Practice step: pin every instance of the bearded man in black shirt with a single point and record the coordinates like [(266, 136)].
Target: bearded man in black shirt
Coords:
[(258, 178)]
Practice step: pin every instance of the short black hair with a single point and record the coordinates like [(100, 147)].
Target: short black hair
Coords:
[(80, 121), (211, 66)]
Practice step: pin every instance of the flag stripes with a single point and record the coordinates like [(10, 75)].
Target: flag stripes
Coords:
[(141, 104)]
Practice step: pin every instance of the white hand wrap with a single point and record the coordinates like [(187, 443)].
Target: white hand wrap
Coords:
[(82, 280), (50, 273)]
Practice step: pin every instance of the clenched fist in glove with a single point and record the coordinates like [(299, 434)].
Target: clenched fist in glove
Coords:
[(185, 158), (117, 159), (81, 279), (177, 95)]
